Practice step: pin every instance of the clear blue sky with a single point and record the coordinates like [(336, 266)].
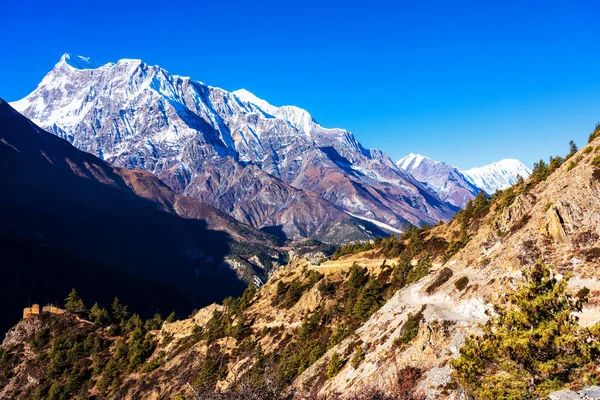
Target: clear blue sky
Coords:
[(465, 82)]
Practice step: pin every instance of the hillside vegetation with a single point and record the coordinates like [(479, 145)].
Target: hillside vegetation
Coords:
[(470, 306)]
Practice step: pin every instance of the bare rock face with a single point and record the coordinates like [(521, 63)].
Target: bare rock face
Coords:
[(230, 149), (555, 225), (588, 393)]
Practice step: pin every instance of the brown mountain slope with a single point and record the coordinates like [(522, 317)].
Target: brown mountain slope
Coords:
[(401, 311)]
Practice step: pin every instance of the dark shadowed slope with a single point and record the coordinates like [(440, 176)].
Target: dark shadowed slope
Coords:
[(68, 219)]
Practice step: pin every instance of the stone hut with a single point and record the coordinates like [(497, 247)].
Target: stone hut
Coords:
[(29, 311), (52, 309)]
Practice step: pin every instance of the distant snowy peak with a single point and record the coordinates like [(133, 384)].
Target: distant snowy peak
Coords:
[(411, 161), (446, 181), (498, 175)]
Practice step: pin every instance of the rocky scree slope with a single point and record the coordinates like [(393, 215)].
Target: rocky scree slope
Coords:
[(230, 149)]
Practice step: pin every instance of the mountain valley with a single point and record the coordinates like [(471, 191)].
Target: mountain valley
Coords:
[(293, 262), (390, 314)]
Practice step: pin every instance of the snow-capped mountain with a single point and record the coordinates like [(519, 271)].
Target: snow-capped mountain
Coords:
[(446, 181), (498, 175), (273, 167)]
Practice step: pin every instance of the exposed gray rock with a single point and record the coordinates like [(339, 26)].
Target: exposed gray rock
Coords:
[(588, 393)]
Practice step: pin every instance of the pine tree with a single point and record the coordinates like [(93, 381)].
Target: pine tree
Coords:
[(595, 133), (172, 317), (119, 311), (531, 346), (357, 357), (98, 315), (74, 303), (368, 301), (572, 148), (248, 295)]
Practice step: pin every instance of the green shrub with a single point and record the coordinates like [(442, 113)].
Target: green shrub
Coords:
[(335, 365), (453, 248), (339, 333), (212, 369), (596, 161), (197, 333), (293, 294), (351, 248), (312, 277), (357, 357), (531, 346), (410, 330), (441, 278), (419, 271), (281, 289), (326, 288), (357, 277), (461, 283)]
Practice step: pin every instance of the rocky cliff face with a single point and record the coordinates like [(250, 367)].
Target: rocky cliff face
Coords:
[(229, 149)]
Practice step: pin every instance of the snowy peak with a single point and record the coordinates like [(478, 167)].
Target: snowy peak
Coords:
[(78, 62), (230, 149), (249, 97), (295, 116), (411, 161), (497, 175)]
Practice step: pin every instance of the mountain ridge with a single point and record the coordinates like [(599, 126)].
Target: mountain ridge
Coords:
[(458, 187), (183, 131), (446, 181)]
